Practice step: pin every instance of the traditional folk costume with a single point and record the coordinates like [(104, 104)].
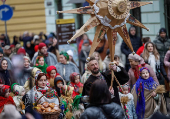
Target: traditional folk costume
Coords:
[(129, 107), (19, 92), (141, 91), (77, 87), (42, 68), (5, 100), (65, 70), (50, 79), (36, 92)]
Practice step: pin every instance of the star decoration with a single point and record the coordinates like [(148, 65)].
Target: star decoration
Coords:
[(110, 17)]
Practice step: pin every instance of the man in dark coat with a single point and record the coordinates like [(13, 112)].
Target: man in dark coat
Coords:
[(136, 43), (119, 72), (162, 43)]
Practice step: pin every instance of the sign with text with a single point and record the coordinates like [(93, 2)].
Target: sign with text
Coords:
[(65, 30)]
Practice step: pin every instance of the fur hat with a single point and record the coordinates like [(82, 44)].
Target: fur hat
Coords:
[(136, 57)]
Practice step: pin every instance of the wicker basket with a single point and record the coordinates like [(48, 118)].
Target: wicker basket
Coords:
[(50, 115)]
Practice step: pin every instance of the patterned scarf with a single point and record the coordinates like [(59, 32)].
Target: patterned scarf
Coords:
[(142, 84)]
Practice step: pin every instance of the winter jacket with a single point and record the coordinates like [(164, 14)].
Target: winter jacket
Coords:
[(140, 50), (136, 43), (106, 111), (167, 62), (65, 70), (122, 77), (162, 46), (49, 60)]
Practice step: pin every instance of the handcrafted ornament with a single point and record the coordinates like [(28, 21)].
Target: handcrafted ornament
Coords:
[(110, 17)]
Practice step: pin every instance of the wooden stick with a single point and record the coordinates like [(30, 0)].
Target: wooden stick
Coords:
[(118, 82)]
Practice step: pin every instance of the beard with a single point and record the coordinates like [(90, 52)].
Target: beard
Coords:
[(94, 71)]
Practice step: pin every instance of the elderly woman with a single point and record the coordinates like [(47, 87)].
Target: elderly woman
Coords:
[(136, 63), (39, 90)]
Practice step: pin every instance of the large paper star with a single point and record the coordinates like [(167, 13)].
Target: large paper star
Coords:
[(110, 17)]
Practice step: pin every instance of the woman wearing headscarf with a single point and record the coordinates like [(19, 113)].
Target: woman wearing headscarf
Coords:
[(4, 96), (51, 74), (40, 89), (40, 63)]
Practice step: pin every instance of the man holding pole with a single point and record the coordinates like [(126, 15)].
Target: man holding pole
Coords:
[(120, 75)]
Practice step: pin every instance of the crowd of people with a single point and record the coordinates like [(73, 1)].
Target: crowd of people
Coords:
[(36, 78)]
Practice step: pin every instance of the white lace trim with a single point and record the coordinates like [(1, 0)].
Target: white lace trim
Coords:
[(105, 21)]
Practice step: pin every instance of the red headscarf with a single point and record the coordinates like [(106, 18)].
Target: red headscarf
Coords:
[(72, 76), (49, 69), (3, 99)]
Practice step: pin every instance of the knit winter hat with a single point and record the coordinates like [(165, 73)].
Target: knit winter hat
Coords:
[(21, 51), (36, 48), (41, 45), (25, 57), (50, 36), (70, 52), (162, 30), (10, 112), (12, 46), (65, 55), (1, 51)]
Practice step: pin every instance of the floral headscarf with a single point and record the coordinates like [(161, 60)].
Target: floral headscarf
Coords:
[(65, 55), (72, 76), (4, 89)]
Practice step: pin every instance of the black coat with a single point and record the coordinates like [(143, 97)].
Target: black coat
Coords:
[(121, 76), (136, 43), (107, 111), (6, 77)]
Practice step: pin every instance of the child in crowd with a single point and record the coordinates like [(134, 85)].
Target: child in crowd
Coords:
[(58, 83), (129, 107), (19, 92), (51, 75), (75, 82), (40, 63), (144, 88), (117, 60), (4, 96)]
